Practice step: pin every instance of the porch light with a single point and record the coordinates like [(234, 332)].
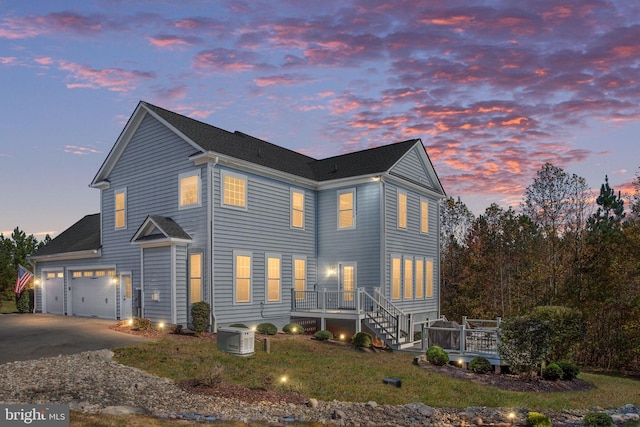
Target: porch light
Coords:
[(332, 271), (114, 280), (37, 282)]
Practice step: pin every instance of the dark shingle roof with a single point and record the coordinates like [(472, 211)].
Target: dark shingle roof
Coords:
[(237, 144), (166, 226), (82, 236), (246, 147)]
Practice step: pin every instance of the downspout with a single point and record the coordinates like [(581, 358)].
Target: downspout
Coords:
[(210, 217), (383, 236)]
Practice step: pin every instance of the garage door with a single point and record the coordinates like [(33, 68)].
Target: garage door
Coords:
[(54, 292), (93, 293)]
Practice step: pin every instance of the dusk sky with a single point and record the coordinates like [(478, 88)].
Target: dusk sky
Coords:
[(493, 88)]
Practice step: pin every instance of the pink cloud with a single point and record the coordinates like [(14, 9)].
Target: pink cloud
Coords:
[(282, 80), (221, 59), (74, 149), (167, 41), (35, 25), (114, 79)]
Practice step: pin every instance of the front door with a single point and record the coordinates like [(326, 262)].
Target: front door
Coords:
[(348, 284), (126, 296)]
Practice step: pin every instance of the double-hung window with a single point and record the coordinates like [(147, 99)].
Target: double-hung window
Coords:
[(120, 197), (189, 187), (408, 278), (297, 209), (195, 277), (242, 276), (396, 277), (419, 278), (402, 210), (234, 190), (274, 275), (347, 209), (424, 216)]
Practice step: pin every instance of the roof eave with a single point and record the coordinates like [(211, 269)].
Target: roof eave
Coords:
[(66, 256)]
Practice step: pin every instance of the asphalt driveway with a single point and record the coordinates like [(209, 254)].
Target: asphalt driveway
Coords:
[(32, 336)]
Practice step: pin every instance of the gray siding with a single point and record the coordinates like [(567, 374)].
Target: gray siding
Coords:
[(360, 245), (410, 242), (181, 285), (149, 168), (413, 169), (157, 278), (264, 227)]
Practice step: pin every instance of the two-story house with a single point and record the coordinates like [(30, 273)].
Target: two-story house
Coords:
[(190, 212)]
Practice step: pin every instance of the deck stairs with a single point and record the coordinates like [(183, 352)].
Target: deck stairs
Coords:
[(388, 322)]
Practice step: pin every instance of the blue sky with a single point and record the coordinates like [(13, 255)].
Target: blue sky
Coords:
[(493, 88)]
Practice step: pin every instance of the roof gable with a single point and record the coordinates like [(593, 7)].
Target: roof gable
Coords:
[(157, 229), (416, 167)]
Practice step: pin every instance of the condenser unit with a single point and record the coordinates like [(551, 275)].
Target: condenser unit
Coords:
[(236, 340)]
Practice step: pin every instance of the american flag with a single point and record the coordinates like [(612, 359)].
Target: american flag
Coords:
[(24, 277)]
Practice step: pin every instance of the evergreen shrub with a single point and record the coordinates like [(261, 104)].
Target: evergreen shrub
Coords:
[(142, 324), (362, 339), (597, 419), (200, 317), (238, 325), (267, 329), (480, 365), (552, 372), (536, 419), (323, 335), (437, 356), (24, 302), (292, 329), (569, 370)]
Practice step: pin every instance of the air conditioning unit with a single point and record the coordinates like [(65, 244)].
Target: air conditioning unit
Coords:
[(236, 340)]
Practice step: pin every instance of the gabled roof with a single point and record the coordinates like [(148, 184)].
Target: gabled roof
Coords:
[(159, 229), (206, 138), (81, 240)]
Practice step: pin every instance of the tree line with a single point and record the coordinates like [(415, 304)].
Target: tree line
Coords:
[(13, 252), (561, 249)]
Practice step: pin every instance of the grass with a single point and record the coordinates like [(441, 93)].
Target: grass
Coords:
[(8, 307), (326, 371)]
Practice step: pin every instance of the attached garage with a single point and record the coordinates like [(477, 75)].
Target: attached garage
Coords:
[(53, 291), (93, 293)]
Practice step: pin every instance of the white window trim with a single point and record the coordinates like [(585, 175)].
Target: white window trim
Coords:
[(406, 210), (354, 215), (266, 278), (294, 258), (198, 191), (424, 278), (406, 258), (427, 277), (424, 200), (391, 297), (116, 192), (237, 253), (223, 174), (189, 277), (304, 196)]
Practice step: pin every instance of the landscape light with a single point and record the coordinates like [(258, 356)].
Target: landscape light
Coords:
[(161, 325), (283, 380), (341, 337), (130, 322)]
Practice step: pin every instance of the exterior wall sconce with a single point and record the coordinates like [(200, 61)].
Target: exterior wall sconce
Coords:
[(332, 271), (155, 296)]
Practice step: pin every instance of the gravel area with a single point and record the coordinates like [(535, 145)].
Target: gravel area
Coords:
[(93, 382)]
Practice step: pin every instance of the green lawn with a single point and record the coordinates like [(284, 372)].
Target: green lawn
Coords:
[(327, 371)]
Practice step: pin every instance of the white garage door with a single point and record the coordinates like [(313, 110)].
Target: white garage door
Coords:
[(54, 292), (93, 293)]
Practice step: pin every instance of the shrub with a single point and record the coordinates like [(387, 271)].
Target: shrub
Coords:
[(200, 317), (524, 343), (552, 372), (536, 419), (210, 377), (292, 329), (480, 365), (176, 329), (597, 419), (437, 356), (267, 329), (362, 339), (142, 324), (567, 328), (238, 325), (323, 335), (569, 370), (24, 302)]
